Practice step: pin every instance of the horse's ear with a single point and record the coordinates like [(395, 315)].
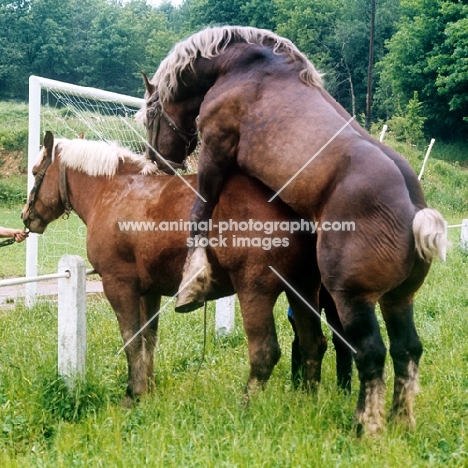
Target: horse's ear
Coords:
[(81, 136), (148, 85), (48, 142)]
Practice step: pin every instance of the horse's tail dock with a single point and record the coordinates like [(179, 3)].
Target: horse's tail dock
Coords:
[(430, 234)]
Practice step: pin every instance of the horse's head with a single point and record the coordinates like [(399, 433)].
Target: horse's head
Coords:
[(172, 129), (45, 202)]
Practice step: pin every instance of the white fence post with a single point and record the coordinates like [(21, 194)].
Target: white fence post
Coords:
[(382, 133), (34, 142), (72, 319), (464, 235), (426, 157), (224, 320)]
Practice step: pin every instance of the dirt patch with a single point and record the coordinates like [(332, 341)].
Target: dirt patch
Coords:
[(12, 163)]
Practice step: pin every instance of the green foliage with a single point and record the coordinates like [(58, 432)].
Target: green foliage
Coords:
[(12, 257), (12, 191), (13, 126), (12, 140), (85, 42), (408, 126), (450, 61), (428, 54), (452, 152)]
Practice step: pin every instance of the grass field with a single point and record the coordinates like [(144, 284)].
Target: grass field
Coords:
[(198, 420)]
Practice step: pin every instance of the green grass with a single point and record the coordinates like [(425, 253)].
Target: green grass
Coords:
[(13, 126), (456, 152), (198, 420)]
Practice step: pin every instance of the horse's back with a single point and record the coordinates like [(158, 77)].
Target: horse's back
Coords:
[(261, 233)]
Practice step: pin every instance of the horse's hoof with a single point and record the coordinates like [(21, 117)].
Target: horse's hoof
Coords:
[(128, 402), (196, 281), (188, 304)]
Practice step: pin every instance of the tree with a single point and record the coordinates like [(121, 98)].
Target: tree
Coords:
[(409, 125), (451, 58), (14, 45), (352, 49), (334, 34), (428, 54)]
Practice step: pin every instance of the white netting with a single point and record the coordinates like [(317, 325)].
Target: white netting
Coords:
[(68, 116)]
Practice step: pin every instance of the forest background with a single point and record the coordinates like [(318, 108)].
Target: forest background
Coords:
[(420, 49)]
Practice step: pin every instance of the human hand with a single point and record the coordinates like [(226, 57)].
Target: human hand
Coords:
[(20, 235)]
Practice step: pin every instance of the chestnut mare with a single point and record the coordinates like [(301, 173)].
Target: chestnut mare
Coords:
[(106, 185), (261, 107)]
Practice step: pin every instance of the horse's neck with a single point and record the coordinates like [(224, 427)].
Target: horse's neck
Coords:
[(83, 191), (86, 191)]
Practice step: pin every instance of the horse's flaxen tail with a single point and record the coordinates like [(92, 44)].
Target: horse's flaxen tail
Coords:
[(430, 234)]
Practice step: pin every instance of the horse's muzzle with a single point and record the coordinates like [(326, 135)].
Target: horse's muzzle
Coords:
[(33, 224)]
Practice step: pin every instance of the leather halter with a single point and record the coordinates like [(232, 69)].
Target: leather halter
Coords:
[(154, 115), (62, 191)]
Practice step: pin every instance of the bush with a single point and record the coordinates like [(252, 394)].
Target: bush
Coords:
[(408, 125), (13, 126), (12, 192), (14, 139)]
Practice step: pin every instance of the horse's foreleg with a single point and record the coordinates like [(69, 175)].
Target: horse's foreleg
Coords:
[(406, 350), (149, 309), (196, 279), (124, 298)]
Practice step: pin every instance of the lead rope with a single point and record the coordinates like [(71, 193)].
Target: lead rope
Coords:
[(7, 242), (204, 343)]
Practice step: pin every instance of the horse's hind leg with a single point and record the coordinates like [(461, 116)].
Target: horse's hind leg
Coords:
[(259, 326), (357, 314), (406, 350), (344, 355)]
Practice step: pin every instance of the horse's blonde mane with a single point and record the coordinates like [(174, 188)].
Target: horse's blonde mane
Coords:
[(99, 158), (210, 42)]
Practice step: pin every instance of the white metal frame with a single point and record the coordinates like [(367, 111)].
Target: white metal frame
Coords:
[(36, 85)]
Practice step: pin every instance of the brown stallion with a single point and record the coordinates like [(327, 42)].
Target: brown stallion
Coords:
[(261, 107)]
